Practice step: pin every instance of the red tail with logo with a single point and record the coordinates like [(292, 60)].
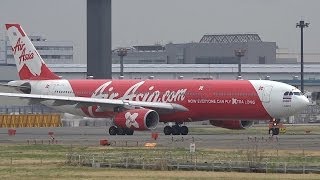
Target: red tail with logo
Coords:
[(29, 63)]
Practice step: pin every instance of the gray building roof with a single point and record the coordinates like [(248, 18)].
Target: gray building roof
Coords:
[(230, 38)]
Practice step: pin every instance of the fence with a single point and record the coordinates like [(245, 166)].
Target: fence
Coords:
[(190, 161), (33, 109), (30, 120)]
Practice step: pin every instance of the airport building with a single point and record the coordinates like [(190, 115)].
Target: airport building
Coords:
[(151, 54), (211, 49), (54, 52)]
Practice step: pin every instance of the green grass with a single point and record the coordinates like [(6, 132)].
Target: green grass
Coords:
[(49, 162), (57, 153)]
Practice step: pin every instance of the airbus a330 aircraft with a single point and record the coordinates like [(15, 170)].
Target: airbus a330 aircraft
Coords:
[(141, 105)]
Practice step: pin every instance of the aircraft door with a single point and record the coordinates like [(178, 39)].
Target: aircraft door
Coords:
[(265, 93), (51, 89)]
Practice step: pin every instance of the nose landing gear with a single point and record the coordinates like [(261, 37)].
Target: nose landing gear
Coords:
[(274, 127)]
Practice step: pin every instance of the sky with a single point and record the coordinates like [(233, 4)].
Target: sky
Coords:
[(145, 22)]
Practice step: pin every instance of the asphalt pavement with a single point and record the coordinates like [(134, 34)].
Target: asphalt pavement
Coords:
[(92, 136)]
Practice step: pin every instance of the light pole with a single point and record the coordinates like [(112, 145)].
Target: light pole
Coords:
[(239, 53), (302, 25), (121, 53)]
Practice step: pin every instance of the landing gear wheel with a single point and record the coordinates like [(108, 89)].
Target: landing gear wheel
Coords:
[(121, 131), (113, 130), (129, 131), (167, 130), (176, 130), (274, 127), (275, 131), (184, 130)]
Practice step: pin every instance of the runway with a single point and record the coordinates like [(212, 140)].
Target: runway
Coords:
[(93, 135)]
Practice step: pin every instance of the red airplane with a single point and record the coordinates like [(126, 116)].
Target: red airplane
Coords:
[(142, 104)]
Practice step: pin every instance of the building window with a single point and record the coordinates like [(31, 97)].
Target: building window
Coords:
[(216, 60), (159, 61), (262, 59), (55, 56), (145, 62)]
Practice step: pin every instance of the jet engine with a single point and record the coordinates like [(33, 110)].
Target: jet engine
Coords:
[(232, 124), (137, 119), (25, 88), (20, 86)]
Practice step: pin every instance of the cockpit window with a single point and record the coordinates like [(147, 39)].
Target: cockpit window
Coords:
[(290, 93), (297, 93)]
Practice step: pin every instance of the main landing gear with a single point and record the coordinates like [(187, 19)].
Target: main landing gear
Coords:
[(113, 130), (176, 129), (274, 126)]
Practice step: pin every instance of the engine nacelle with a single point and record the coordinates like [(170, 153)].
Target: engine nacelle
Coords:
[(25, 88), (137, 119), (232, 124)]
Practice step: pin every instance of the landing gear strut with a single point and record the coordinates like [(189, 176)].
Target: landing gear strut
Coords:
[(113, 130), (274, 127), (176, 129)]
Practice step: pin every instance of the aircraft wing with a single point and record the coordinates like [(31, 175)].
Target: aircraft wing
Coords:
[(9, 88), (103, 104)]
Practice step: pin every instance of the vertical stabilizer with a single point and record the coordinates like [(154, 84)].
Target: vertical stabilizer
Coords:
[(29, 62)]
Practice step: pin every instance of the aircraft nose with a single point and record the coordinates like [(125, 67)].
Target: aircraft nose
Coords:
[(306, 101), (302, 102)]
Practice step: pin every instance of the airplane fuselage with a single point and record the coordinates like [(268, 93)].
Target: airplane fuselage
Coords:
[(204, 99)]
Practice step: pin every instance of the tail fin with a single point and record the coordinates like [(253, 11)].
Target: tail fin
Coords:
[(29, 62)]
